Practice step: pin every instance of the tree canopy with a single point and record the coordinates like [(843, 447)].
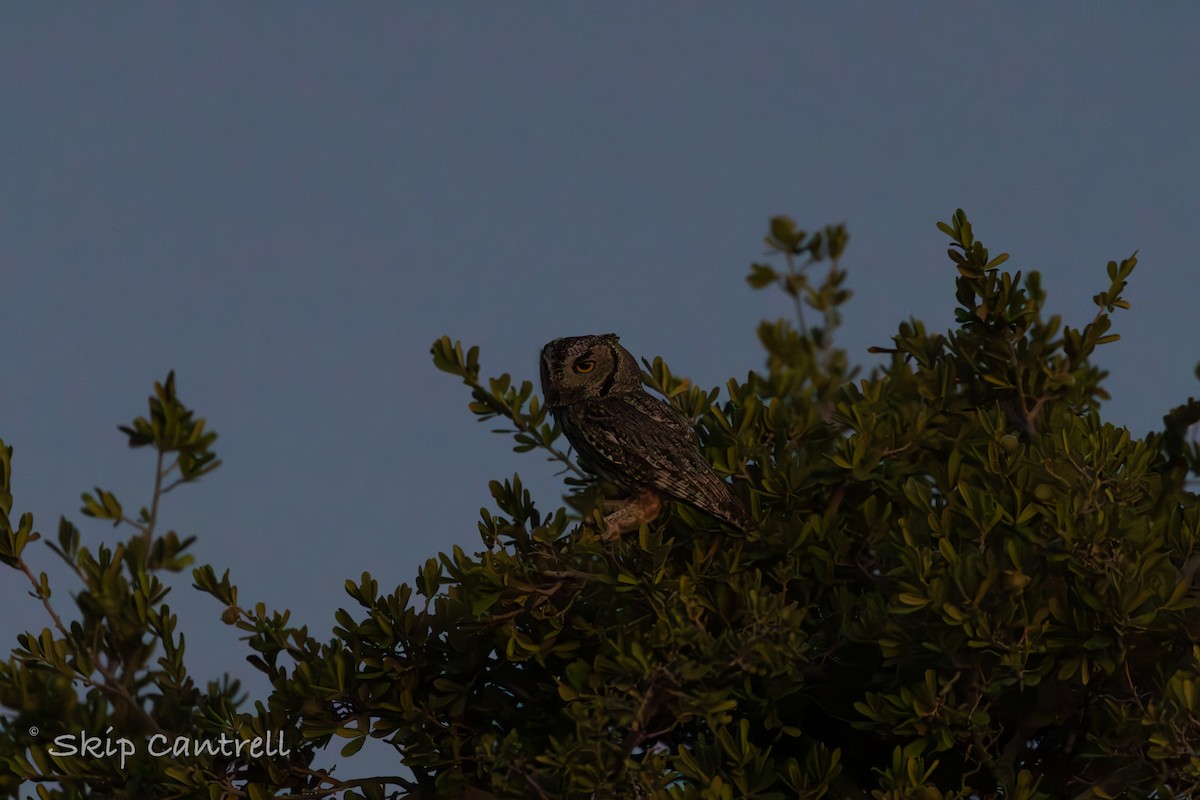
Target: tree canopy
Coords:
[(961, 582)]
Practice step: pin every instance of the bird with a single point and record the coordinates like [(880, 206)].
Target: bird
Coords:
[(593, 388)]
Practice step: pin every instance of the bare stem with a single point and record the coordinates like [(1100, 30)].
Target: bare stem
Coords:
[(791, 265), (148, 530), (37, 588)]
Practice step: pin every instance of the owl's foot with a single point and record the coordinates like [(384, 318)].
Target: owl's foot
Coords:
[(632, 513)]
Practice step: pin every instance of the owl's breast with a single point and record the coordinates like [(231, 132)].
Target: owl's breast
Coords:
[(606, 444)]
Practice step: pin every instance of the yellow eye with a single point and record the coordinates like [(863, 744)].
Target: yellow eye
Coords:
[(585, 366)]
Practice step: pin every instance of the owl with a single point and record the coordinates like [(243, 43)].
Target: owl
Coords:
[(593, 387)]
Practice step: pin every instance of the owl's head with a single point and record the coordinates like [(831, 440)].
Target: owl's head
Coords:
[(582, 367)]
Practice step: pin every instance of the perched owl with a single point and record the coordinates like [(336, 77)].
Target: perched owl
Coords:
[(593, 386)]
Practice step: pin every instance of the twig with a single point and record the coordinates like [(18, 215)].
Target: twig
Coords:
[(148, 530), (45, 600), (338, 785), (561, 456)]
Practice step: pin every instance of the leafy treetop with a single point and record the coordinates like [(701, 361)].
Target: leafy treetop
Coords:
[(961, 583)]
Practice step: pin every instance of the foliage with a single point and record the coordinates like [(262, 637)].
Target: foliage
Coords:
[(962, 583)]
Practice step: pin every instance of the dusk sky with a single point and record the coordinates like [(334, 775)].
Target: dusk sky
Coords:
[(287, 203)]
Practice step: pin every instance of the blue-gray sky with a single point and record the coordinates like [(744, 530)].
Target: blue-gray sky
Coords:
[(286, 203)]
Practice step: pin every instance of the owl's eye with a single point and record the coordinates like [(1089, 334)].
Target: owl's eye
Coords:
[(585, 366)]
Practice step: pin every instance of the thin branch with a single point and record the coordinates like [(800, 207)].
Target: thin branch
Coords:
[(66, 559), (502, 406), (572, 573), (133, 524), (537, 787), (523, 427), (1012, 349), (37, 587), (111, 685), (791, 265), (173, 484), (148, 530), (337, 785)]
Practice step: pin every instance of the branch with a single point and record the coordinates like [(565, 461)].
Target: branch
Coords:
[(336, 785), (37, 588), (148, 530), (523, 427), (112, 685)]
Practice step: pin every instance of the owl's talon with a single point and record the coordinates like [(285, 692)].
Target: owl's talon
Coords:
[(632, 513)]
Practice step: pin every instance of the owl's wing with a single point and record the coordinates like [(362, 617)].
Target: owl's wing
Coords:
[(646, 441), (662, 413)]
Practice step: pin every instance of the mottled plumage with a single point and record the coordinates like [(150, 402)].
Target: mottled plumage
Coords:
[(593, 386)]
